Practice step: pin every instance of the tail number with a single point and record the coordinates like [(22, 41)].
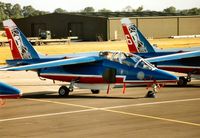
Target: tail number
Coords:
[(11, 44), (128, 39)]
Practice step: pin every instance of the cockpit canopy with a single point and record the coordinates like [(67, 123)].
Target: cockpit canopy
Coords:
[(127, 59)]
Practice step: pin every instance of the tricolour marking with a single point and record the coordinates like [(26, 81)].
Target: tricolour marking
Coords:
[(100, 76), (108, 109)]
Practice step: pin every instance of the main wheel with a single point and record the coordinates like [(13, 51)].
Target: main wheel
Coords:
[(95, 91), (151, 94), (63, 91), (182, 81)]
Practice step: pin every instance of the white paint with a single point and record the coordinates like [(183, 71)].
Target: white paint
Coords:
[(140, 75), (45, 115)]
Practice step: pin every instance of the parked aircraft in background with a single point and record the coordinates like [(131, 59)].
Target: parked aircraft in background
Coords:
[(7, 91), (177, 61), (101, 70)]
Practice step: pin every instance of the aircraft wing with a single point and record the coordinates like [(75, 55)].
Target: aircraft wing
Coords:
[(55, 63), (174, 56)]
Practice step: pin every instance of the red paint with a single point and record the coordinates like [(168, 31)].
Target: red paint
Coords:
[(100, 80), (10, 96), (124, 88), (13, 46), (131, 45)]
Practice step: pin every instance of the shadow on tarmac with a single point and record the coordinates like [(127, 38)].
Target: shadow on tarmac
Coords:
[(51, 95)]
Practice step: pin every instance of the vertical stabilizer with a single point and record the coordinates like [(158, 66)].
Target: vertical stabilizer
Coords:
[(20, 47), (137, 43)]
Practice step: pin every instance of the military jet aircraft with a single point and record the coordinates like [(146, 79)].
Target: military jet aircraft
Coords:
[(96, 71), (177, 61)]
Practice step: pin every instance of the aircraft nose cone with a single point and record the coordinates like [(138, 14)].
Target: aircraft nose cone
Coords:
[(166, 76), (7, 89)]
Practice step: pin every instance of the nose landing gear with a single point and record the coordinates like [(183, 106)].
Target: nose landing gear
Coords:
[(152, 93)]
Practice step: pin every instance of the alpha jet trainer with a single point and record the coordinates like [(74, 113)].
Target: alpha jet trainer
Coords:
[(177, 61), (97, 71)]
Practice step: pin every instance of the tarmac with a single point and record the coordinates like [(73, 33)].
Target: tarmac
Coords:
[(42, 113)]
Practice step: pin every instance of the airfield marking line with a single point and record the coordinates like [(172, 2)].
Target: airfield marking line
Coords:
[(108, 109), (152, 103), (61, 103), (44, 115), (94, 109), (153, 117)]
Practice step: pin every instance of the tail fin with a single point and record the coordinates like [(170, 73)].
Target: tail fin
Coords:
[(20, 47), (137, 43)]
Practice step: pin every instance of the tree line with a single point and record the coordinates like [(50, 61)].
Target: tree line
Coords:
[(7, 10)]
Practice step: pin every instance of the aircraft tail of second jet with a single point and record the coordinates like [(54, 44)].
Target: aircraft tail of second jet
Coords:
[(20, 47), (137, 43)]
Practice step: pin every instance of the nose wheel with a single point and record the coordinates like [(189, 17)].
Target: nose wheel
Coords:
[(152, 93), (182, 81)]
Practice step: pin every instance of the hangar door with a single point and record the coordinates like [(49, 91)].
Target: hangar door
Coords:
[(75, 29), (36, 28)]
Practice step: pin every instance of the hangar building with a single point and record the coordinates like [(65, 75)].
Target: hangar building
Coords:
[(98, 27)]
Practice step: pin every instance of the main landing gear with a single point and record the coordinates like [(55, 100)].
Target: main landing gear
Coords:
[(184, 80), (95, 91), (64, 91)]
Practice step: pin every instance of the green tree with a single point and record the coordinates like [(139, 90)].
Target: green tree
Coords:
[(3, 15), (59, 10), (7, 9), (16, 11), (128, 9), (28, 11), (170, 10), (139, 9), (104, 10), (194, 11), (88, 9)]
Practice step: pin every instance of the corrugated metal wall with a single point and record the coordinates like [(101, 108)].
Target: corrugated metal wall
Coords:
[(92, 28), (157, 27)]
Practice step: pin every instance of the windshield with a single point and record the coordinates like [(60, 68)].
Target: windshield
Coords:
[(145, 65), (127, 59)]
